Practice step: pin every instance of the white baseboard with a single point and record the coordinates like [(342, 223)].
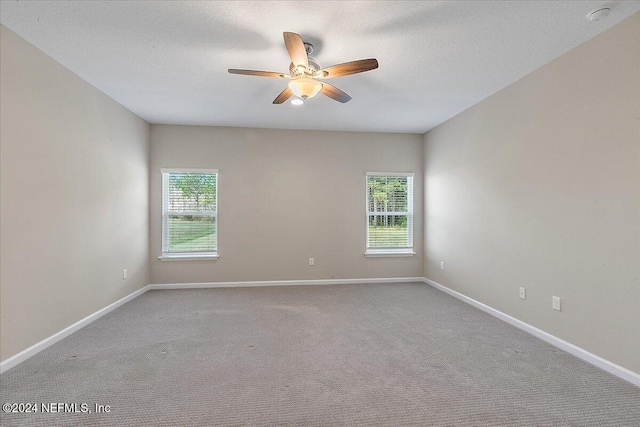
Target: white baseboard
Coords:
[(36, 348), (312, 282), (612, 368)]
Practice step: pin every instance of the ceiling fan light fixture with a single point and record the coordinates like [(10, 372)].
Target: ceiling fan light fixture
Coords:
[(297, 101), (305, 87)]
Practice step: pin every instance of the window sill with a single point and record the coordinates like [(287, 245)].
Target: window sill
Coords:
[(388, 253), (189, 257)]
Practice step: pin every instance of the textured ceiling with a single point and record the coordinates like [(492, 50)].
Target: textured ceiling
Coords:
[(167, 61)]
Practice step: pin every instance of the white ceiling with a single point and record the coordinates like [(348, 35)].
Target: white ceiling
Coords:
[(167, 61)]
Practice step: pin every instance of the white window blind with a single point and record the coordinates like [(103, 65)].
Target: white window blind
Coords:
[(189, 211), (389, 212)]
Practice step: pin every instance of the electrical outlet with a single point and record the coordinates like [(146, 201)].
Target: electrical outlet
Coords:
[(556, 303), (441, 265), (124, 274), (312, 261), (523, 293)]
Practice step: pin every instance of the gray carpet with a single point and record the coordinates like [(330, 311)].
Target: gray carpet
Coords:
[(373, 355)]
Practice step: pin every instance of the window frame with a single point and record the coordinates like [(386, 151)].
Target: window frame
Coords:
[(391, 252), (165, 213)]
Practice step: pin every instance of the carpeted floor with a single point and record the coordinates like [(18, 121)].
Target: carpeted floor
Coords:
[(392, 354)]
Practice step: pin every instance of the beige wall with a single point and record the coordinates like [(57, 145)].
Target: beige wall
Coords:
[(285, 196), (539, 186), (74, 197)]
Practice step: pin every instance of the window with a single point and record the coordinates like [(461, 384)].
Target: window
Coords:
[(389, 214), (189, 214)]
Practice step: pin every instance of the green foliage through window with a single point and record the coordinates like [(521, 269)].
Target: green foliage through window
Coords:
[(190, 212), (389, 211)]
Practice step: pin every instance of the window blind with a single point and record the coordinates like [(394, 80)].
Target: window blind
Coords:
[(190, 211), (390, 211)]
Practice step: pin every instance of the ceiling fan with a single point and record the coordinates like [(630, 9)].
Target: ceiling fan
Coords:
[(305, 73)]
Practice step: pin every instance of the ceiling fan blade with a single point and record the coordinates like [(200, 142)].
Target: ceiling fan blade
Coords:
[(296, 49), (257, 73), (284, 95), (347, 68), (334, 93)]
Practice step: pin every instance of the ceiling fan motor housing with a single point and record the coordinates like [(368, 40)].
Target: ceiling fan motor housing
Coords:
[(313, 65), (313, 68)]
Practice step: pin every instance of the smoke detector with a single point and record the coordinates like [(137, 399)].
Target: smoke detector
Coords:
[(599, 15)]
